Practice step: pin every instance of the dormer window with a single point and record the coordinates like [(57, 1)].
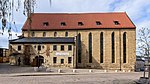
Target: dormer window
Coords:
[(80, 24), (63, 24), (98, 23), (45, 23), (116, 23)]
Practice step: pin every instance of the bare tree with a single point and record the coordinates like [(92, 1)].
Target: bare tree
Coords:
[(144, 44), (7, 8)]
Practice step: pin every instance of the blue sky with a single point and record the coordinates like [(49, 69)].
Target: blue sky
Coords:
[(137, 10)]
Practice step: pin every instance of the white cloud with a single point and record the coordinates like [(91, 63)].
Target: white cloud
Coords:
[(136, 9), (74, 6)]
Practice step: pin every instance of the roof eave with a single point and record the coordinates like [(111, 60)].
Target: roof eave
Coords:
[(78, 29)]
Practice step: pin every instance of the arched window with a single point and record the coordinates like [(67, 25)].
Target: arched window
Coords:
[(101, 47), (113, 46), (55, 34), (90, 47), (79, 47), (66, 34), (124, 47), (44, 34), (33, 34)]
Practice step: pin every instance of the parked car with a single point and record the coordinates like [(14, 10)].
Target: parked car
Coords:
[(139, 64)]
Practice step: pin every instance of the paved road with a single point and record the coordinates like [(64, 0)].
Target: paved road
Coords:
[(57, 78), (6, 68), (92, 78)]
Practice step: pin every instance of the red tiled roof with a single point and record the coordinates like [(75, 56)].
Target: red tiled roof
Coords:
[(71, 21)]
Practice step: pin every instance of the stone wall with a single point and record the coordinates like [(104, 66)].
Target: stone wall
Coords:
[(107, 64)]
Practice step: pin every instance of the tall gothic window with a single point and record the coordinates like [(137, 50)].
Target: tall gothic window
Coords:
[(124, 47), (90, 47), (79, 47), (101, 47), (113, 47)]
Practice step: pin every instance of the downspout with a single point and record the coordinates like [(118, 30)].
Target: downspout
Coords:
[(76, 48)]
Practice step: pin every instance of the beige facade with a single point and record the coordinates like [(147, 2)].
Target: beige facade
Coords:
[(107, 64), (48, 53)]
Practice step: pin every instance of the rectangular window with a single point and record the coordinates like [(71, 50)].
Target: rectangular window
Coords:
[(62, 61), (62, 47), (54, 59), (54, 47), (19, 47), (69, 47), (39, 47), (69, 60)]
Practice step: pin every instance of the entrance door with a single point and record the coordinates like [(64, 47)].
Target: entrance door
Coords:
[(39, 60)]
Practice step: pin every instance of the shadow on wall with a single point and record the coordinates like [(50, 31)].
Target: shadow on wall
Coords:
[(25, 56), (85, 60), (29, 51), (14, 55)]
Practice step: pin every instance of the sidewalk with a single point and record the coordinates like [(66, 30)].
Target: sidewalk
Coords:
[(8, 70), (66, 72)]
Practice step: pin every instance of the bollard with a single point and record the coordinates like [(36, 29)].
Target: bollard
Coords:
[(105, 70), (90, 70), (73, 70), (129, 70), (116, 70), (59, 70)]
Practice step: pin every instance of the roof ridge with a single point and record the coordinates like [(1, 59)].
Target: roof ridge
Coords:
[(83, 13)]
